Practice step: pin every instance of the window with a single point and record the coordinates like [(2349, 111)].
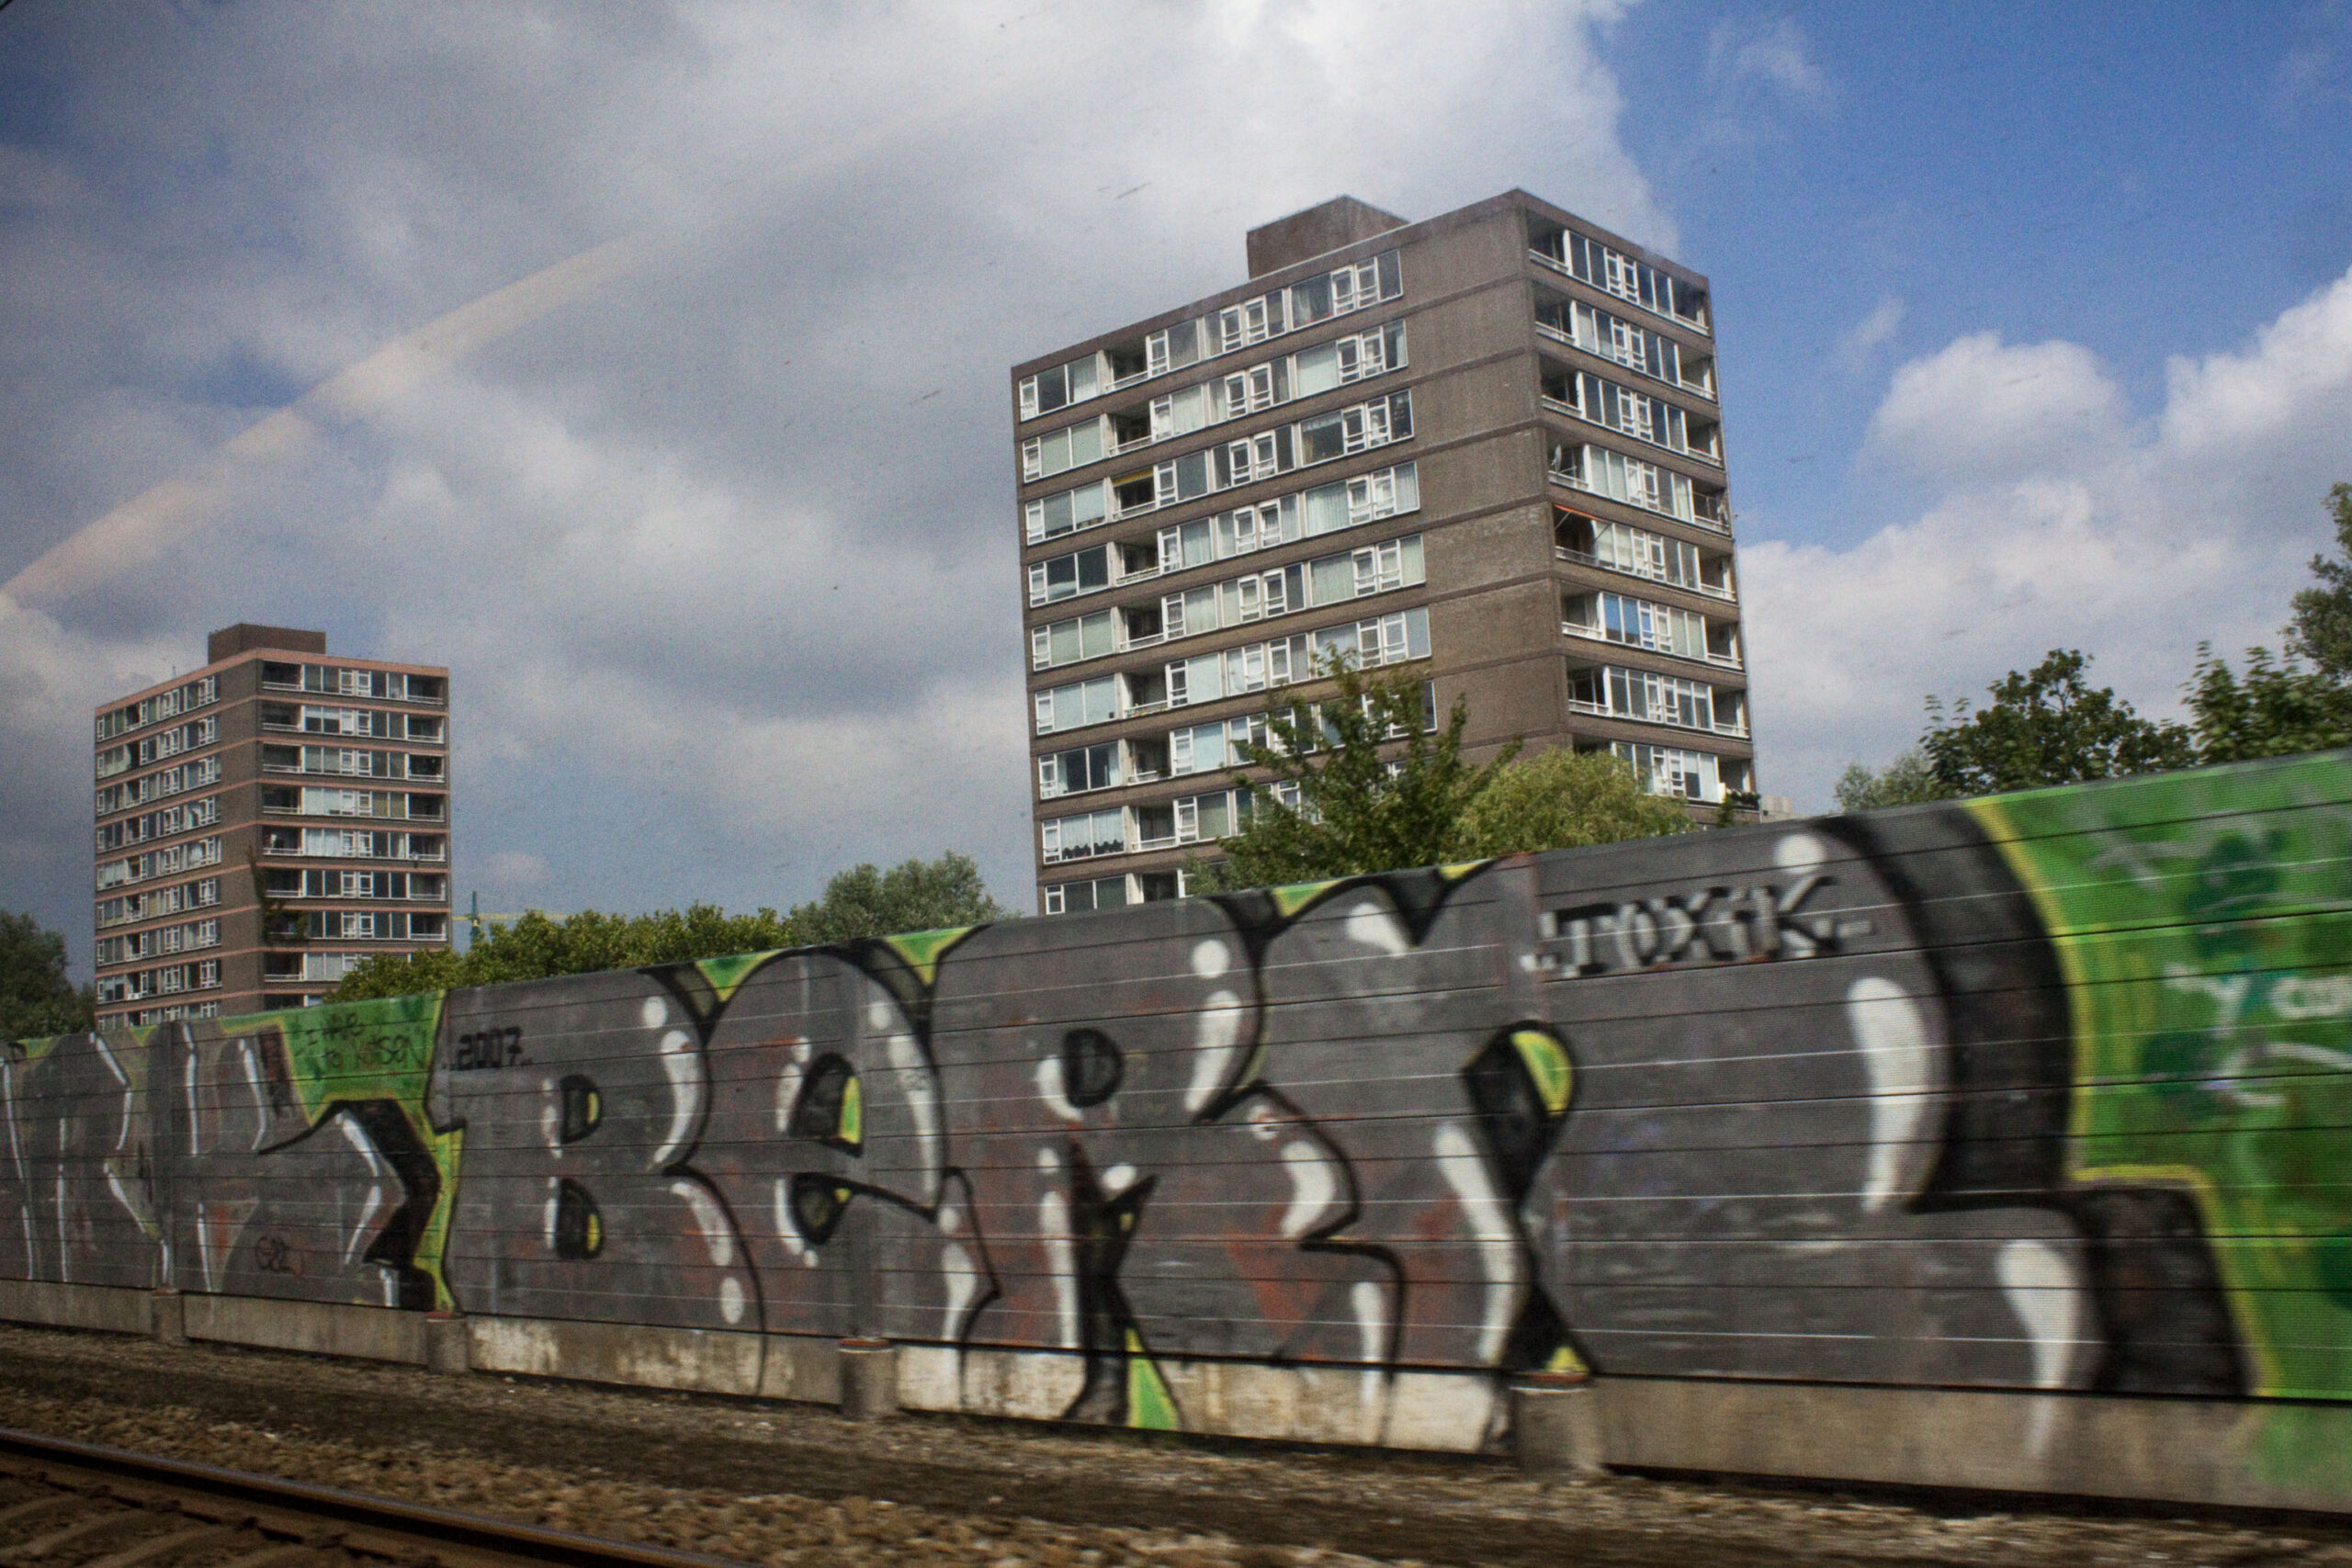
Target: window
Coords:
[(1662, 628), (1067, 642), (1075, 706), (1343, 360), (1606, 269), (1252, 320), (1089, 833), (1072, 772), (1078, 897), (1657, 699), (1619, 477), (1058, 387), (1064, 577), (1668, 769), (1179, 414), (1065, 512), (1073, 448)]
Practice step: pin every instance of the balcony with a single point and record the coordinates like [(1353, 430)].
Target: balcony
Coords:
[(1586, 558), (1737, 730), (1594, 634), (1702, 509)]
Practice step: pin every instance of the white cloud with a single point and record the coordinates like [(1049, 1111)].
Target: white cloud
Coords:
[(722, 552), (1771, 53), (1859, 343), (1980, 412), (2057, 520)]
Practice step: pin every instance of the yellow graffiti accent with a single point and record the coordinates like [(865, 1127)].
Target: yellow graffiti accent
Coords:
[(1462, 871), (1547, 1062), (923, 950), (1293, 896), (1150, 1407), (852, 1130), (727, 975), (595, 1239), (1566, 1360)]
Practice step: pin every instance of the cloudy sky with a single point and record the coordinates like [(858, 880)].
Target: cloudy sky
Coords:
[(645, 363)]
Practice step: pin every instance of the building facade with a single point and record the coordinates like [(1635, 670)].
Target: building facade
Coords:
[(265, 822), (1487, 448)]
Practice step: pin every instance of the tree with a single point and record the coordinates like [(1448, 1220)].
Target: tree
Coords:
[(2322, 631), (1335, 806), (1560, 798), (1905, 781), (37, 995), (536, 946), (2047, 726), (2278, 710), (914, 895)]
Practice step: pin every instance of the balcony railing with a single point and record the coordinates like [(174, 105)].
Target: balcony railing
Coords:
[(1555, 264), (1559, 406), (1558, 335), (1594, 634), (1600, 710), (1697, 519), (1586, 558)]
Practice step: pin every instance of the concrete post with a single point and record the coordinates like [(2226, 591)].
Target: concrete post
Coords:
[(1555, 1424), (869, 1379), (167, 1317), (446, 1348)]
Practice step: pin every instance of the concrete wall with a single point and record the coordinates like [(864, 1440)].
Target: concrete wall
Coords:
[(1984, 1145)]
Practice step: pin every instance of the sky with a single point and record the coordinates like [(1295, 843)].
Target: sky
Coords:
[(646, 363)]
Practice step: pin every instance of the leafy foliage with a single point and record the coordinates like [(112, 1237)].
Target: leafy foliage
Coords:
[(913, 895), (1906, 781), (1352, 812), (2322, 631), (862, 901), (2278, 710), (37, 996), (2048, 727), (1560, 798)]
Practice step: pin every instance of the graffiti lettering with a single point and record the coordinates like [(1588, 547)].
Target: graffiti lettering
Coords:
[(1351, 1135), (489, 1049)]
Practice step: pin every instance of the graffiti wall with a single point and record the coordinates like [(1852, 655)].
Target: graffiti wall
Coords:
[(2041, 1092)]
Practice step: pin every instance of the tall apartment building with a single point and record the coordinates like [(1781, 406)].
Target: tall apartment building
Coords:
[(1486, 447), (264, 824)]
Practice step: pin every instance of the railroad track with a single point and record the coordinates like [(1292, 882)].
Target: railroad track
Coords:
[(69, 1505)]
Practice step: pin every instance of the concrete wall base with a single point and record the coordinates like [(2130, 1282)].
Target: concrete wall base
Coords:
[(108, 1308), (2249, 1454), (321, 1328), (1555, 1426), (446, 1348), (167, 1320), (2265, 1454), (869, 1379)]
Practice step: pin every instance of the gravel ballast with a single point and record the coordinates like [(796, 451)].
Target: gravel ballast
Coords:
[(795, 1483)]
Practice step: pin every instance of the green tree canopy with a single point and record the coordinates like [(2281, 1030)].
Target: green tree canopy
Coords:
[(1905, 781), (37, 996), (1559, 798), (2322, 631), (2047, 725), (1336, 807), (862, 901), (2277, 710), (913, 895)]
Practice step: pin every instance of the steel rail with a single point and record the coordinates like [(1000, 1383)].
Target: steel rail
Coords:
[(334, 1518)]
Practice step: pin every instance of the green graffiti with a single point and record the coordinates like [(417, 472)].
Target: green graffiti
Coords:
[(921, 951), (727, 975), (2203, 924), (376, 1049), (1150, 1405)]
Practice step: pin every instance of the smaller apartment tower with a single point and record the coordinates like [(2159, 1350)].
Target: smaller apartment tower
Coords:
[(264, 824), (1486, 448)]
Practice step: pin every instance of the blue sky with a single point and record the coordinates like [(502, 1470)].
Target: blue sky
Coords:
[(2035, 329)]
